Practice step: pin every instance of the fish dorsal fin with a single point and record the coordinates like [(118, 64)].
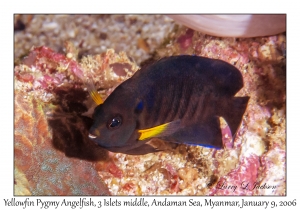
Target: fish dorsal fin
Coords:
[(93, 93), (160, 130)]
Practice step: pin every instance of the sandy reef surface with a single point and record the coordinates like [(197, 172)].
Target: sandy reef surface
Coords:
[(55, 54)]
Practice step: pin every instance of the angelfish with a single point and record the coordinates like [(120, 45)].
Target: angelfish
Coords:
[(177, 99)]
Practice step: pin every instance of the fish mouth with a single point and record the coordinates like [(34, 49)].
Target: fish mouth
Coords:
[(91, 136)]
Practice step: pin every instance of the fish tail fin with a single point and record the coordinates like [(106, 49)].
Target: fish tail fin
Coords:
[(233, 112)]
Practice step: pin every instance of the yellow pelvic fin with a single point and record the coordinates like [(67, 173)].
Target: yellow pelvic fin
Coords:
[(96, 97), (93, 92), (160, 130)]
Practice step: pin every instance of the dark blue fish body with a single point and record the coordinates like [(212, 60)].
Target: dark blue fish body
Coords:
[(180, 97)]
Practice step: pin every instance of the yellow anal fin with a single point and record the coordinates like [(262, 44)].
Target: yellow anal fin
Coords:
[(160, 130)]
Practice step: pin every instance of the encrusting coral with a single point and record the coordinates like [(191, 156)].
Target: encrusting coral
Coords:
[(52, 116)]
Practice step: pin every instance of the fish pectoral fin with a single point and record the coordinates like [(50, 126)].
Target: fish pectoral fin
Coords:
[(160, 130)]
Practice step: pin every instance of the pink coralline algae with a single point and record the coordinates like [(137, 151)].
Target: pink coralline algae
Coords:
[(185, 40), (240, 181)]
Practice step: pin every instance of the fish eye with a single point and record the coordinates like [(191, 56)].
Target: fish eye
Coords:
[(115, 122)]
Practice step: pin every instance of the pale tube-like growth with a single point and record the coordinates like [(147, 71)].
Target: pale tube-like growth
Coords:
[(235, 25)]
